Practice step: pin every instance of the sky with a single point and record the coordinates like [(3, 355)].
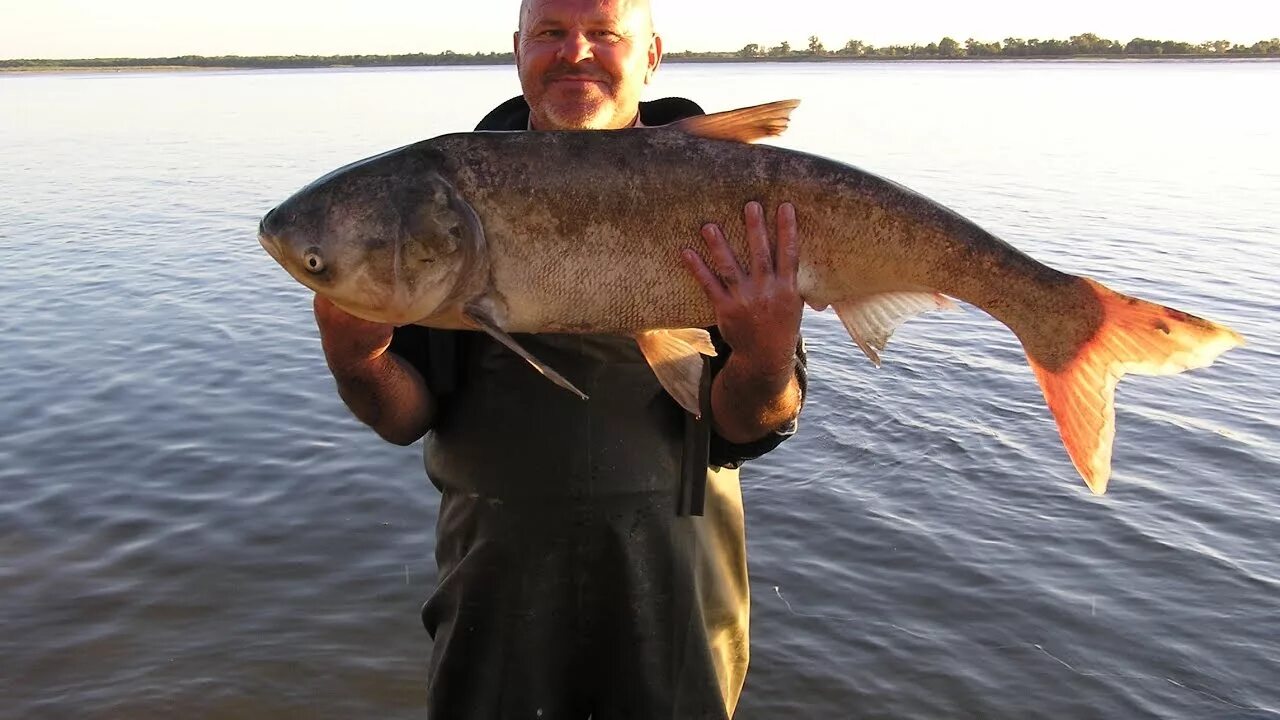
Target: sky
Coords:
[(157, 28)]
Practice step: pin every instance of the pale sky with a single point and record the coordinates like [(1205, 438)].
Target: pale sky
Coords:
[(152, 28)]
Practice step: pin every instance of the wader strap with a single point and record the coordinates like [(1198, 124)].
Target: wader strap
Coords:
[(697, 446)]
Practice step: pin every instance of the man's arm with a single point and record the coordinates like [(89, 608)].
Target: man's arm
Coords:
[(758, 309), (749, 402), (382, 389)]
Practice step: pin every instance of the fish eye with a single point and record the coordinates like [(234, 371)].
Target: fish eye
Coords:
[(312, 261)]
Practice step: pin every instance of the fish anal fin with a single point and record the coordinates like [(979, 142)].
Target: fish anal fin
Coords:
[(742, 125), (1135, 336), (484, 318), (871, 320), (676, 359)]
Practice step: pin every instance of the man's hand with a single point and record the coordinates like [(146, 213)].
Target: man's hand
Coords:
[(382, 390), (349, 341), (758, 309)]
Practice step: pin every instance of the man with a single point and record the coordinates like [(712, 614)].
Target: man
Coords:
[(573, 580)]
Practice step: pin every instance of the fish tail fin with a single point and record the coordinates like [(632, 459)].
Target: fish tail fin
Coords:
[(1134, 336)]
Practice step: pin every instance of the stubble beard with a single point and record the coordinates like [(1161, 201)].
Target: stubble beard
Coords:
[(591, 111)]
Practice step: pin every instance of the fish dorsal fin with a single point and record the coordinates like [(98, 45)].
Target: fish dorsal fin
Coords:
[(676, 358), (742, 125)]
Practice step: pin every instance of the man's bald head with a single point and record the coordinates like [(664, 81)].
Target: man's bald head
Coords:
[(641, 6), (584, 63)]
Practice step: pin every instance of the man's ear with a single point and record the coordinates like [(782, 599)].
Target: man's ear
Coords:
[(655, 57), (515, 46)]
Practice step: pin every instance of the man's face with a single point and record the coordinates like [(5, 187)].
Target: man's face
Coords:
[(584, 63)]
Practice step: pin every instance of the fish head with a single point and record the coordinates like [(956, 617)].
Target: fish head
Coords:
[(388, 239)]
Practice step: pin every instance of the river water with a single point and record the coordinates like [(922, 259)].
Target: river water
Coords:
[(192, 525)]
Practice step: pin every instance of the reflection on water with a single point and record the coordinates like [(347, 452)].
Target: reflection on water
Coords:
[(192, 525)]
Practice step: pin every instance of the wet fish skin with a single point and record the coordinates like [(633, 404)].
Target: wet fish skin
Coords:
[(388, 233), (561, 231), (582, 232)]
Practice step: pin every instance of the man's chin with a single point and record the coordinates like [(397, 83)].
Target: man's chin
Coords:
[(579, 115)]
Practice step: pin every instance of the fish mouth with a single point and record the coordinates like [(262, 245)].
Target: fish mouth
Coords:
[(269, 240), (278, 251), (379, 309), (271, 244)]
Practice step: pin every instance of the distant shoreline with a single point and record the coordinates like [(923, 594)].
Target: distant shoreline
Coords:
[(1085, 46), (113, 69), (319, 65)]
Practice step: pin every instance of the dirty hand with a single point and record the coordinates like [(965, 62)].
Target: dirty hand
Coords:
[(757, 304)]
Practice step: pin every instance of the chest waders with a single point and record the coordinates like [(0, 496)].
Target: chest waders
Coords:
[(570, 579), (592, 562)]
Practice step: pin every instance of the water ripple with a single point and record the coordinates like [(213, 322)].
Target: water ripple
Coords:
[(191, 523)]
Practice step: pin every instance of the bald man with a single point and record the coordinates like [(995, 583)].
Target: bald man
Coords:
[(592, 554)]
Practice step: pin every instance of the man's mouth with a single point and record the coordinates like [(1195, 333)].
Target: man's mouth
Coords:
[(575, 79)]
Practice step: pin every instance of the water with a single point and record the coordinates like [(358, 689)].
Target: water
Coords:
[(192, 525)]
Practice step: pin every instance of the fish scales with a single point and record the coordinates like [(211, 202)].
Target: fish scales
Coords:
[(585, 245), (582, 232)]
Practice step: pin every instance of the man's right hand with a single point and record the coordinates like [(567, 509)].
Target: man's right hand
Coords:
[(383, 390), (348, 341)]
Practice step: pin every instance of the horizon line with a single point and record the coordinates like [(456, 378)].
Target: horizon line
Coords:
[(448, 52)]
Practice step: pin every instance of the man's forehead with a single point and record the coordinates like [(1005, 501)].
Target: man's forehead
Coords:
[(535, 10)]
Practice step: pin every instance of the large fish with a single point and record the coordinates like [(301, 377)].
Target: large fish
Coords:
[(528, 232)]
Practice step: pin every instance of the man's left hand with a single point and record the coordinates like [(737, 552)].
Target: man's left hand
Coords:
[(757, 305), (758, 309)]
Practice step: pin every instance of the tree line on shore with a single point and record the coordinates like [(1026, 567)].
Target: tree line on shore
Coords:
[(1084, 45), (448, 57)]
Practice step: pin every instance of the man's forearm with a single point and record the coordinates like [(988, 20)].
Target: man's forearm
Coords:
[(389, 395), (749, 402)]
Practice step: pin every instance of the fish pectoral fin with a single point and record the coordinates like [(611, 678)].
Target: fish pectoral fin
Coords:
[(676, 358), (485, 321), (742, 125), (871, 320)]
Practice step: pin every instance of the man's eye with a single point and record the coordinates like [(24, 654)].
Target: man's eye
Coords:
[(606, 36), (551, 34)]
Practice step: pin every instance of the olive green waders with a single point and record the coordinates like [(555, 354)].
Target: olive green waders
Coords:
[(592, 556), (569, 581)]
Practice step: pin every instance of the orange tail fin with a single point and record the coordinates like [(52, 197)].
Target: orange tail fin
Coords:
[(1135, 336)]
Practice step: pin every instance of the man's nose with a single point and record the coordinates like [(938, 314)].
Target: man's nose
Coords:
[(575, 48)]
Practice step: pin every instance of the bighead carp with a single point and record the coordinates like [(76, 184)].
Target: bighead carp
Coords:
[(581, 232)]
